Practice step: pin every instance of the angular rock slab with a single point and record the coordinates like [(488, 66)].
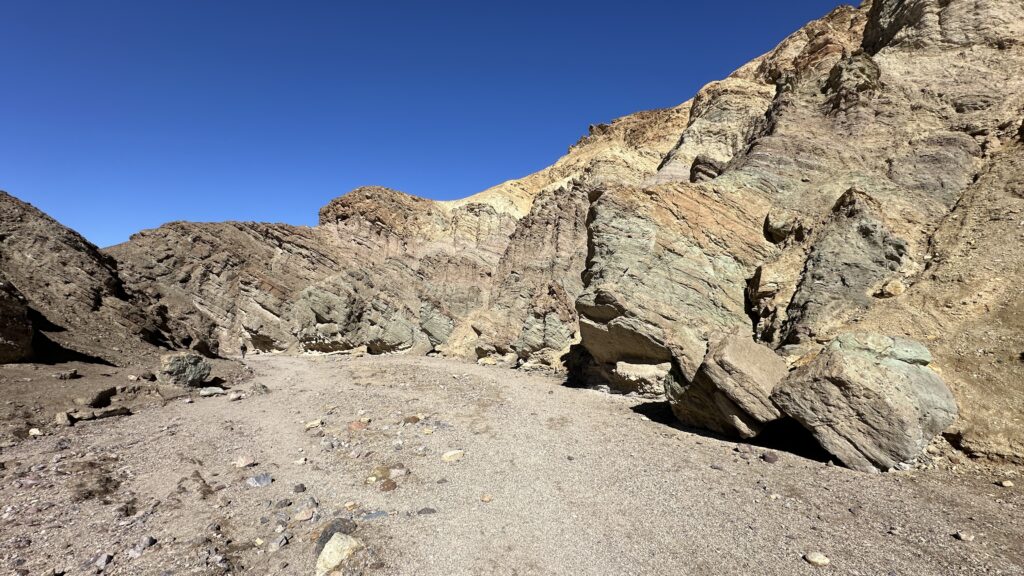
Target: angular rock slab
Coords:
[(183, 369), (731, 392), (870, 400)]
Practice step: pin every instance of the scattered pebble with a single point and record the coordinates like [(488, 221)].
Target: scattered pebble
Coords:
[(1005, 483), (486, 498), (452, 456), (102, 561), (244, 462), (964, 536), (816, 559), (278, 543), (260, 480), (388, 485), (770, 457), (299, 488), (426, 511)]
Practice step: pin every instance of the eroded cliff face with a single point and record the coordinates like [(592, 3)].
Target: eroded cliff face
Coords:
[(495, 276), (870, 191), (861, 183)]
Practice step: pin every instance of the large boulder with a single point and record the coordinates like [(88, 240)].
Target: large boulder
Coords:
[(183, 369), (870, 400), (731, 392), (15, 325)]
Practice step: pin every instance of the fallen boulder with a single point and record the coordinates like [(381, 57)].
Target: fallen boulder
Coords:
[(870, 400), (731, 391), (183, 369)]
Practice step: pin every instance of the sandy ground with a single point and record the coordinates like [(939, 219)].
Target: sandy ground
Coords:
[(553, 480)]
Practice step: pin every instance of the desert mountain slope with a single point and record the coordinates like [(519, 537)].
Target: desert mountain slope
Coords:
[(74, 303), (812, 240)]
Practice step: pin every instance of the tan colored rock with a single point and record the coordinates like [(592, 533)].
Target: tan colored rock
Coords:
[(339, 549)]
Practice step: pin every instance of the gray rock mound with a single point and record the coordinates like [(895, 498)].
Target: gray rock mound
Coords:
[(183, 369)]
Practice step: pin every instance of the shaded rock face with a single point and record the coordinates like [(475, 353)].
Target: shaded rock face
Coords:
[(863, 176), (870, 400), (15, 325)]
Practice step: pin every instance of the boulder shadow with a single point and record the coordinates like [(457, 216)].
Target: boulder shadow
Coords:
[(660, 411), (785, 435), (788, 435)]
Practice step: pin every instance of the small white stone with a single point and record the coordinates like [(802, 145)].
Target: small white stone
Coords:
[(452, 456), (964, 536), (816, 559), (244, 462)]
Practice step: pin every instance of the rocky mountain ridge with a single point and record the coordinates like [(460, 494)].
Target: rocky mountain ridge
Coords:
[(815, 238)]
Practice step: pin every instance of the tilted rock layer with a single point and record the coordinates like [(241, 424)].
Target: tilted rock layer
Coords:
[(865, 176)]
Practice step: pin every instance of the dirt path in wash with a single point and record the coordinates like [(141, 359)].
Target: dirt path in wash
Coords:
[(552, 480)]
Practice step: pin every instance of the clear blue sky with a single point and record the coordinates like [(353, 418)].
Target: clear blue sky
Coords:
[(119, 115)]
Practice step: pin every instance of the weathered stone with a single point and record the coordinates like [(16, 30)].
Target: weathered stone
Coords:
[(452, 456), (336, 526), (261, 480), (731, 392), (643, 379), (336, 552), (870, 400), (817, 559), (183, 369)]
